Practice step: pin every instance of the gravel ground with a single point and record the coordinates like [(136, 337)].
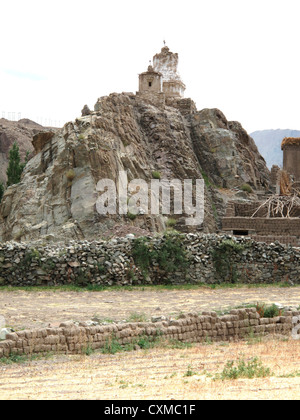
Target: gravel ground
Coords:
[(157, 374), (23, 310)]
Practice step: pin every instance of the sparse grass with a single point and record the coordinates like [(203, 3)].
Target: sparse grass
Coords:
[(70, 174), (100, 288), (24, 358), (295, 374), (176, 344), (88, 350), (137, 317), (160, 372), (253, 339), (113, 346), (207, 180), (242, 369), (208, 341), (190, 371)]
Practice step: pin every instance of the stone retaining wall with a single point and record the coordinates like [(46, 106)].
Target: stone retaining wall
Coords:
[(71, 339), (111, 263)]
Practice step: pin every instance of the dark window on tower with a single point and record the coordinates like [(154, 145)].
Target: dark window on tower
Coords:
[(150, 84)]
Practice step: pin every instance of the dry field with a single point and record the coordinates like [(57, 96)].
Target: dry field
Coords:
[(41, 308), (159, 373)]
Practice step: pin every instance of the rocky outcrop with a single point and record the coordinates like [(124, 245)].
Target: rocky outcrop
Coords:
[(41, 139), (57, 194), (227, 154), (16, 131)]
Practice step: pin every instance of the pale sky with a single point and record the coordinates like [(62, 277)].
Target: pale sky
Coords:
[(239, 56)]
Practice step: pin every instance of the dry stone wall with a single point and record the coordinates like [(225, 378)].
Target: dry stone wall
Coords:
[(71, 339), (209, 259)]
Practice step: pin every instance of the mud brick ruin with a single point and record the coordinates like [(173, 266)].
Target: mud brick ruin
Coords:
[(194, 328), (275, 217)]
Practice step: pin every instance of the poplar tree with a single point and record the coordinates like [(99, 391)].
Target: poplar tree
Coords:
[(15, 167)]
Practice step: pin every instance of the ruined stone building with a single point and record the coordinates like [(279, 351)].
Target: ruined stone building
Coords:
[(161, 84), (291, 158), (166, 63), (276, 216)]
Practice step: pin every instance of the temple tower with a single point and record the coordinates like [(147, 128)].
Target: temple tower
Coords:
[(291, 157), (150, 81), (166, 63)]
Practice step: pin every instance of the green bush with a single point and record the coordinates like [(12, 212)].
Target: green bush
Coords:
[(250, 370), (223, 261), (141, 254), (156, 175), (247, 188), (131, 216), (170, 255), (270, 311), (171, 222)]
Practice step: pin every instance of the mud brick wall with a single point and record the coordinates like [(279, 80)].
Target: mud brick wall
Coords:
[(72, 339), (285, 230), (262, 225), (247, 210), (244, 209)]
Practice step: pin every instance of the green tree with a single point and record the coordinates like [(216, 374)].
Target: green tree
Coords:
[(15, 167)]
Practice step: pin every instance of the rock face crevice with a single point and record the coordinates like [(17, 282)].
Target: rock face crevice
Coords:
[(227, 154), (58, 191)]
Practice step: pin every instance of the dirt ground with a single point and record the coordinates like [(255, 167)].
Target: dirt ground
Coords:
[(158, 373), (23, 310)]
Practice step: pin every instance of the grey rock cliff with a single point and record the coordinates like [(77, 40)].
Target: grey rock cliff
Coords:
[(57, 194)]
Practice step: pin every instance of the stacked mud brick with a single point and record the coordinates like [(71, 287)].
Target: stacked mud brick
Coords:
[(73, 339)]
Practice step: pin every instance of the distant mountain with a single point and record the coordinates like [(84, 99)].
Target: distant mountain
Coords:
[(268, 143)]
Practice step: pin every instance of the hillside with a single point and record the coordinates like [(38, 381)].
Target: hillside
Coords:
[(57, 194), (21, 132), (269, 144)]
